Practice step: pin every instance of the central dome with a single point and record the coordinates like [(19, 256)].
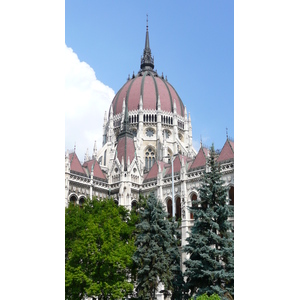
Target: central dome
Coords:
[(148, 87)]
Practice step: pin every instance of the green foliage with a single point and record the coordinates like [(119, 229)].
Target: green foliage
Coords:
[(99, 245), (210, 244), (206, 297), (157, 255)]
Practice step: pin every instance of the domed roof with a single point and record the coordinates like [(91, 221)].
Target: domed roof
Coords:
[(150, 86)]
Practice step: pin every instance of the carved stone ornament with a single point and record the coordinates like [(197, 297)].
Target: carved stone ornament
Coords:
[(183, 212)]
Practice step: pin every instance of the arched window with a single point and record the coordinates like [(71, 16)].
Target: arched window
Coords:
[(149, 158), (231, 195), (133, 204), (73, 199), (194, 197), (169, 207), (129, 119), (178, 209), (81, 201)]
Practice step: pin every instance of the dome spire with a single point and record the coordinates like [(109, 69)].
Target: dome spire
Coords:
[(147, 61)]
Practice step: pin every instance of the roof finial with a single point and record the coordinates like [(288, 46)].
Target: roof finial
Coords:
[(147, 60), (226, 133), (147, 22)]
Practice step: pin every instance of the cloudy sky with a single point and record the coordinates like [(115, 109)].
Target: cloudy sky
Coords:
[(192, 45), (86, 99)]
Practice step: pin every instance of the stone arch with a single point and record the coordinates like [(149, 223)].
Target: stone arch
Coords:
[(133, 204), (73, 198), (169, 207), (178, 208), (150, 154), (81, 200), (193, 197)]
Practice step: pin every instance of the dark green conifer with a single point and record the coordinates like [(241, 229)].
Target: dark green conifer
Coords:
[(209, 268), (155, 255)]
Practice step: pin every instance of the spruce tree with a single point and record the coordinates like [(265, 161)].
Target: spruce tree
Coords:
[(209, 268), (177, 288), (154, 254)]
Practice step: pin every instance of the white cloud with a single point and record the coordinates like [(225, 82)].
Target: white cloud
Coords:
[(86, 100)]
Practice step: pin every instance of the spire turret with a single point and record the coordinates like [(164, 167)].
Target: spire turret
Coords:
[(147, 61)]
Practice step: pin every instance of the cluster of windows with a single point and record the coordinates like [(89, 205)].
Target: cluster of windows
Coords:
[(180, 124), (150, 118), (134, 119), (73, 200), (178, 208), (149, 158), (167, 120)]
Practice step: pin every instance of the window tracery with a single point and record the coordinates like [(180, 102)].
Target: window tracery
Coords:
[(149, 158)]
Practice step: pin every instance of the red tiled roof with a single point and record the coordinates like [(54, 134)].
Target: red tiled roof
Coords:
[(200, 159), (179, 161), (125, 148), (97, 169), (154, 170), (227, 151), (75, 164)]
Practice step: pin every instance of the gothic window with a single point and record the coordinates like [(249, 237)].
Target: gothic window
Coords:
[(81, 201), (167, 134), (73, 199), (169, 207), (149, 132), (149, 158), (194, 197), (133, 204), (178, 209)]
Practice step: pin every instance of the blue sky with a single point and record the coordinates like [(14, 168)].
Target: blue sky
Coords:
[(192, 43)]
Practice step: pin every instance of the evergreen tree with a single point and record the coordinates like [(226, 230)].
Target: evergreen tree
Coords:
[(155, 254), (99, 249), (209, 268), (174, 255)]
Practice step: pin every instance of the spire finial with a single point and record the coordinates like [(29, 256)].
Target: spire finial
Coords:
[(226, 133), (147, 60), (147, 22)]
